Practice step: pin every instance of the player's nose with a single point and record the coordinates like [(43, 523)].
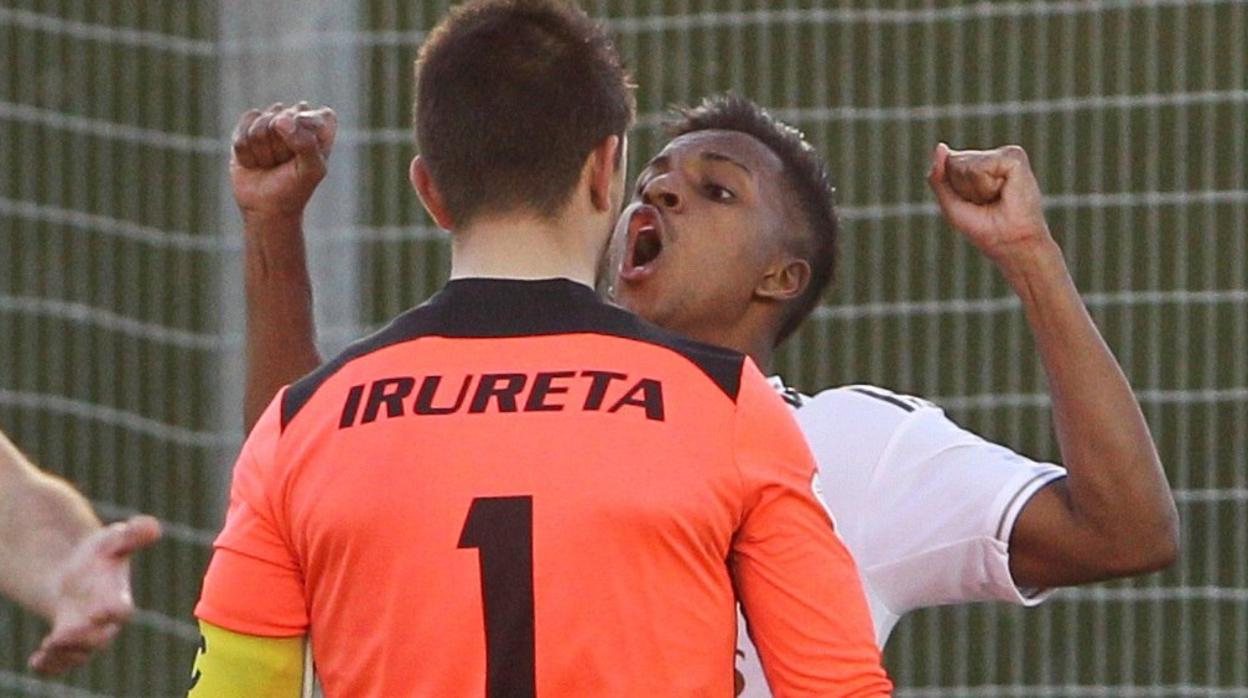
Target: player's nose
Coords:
[(661, 192)]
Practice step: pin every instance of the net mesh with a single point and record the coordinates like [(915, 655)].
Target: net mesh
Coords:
[(120, 308)]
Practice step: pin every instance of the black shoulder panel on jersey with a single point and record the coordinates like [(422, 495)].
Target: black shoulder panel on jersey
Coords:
[(890, 399), (495, 308)]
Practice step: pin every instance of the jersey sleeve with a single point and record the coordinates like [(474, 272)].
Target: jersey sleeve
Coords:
[(943, 506), (254, 584), (798, 586)]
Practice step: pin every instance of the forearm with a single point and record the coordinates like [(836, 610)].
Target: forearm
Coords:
[(281, 332), (42, 520), (1116, 489)]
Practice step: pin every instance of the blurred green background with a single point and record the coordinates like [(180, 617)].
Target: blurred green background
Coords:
[(119, 281)]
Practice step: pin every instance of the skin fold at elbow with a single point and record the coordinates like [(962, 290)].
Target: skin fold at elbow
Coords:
[(1148, 547)]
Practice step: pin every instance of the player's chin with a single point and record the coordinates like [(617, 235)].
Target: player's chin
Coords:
[(639, 298)]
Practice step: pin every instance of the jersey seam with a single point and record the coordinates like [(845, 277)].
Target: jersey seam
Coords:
[(902, 426), (736, 462)]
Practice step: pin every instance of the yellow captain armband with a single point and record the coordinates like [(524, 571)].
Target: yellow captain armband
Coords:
[(232, 665)]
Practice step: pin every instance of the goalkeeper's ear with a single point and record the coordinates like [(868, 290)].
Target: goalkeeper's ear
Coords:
[(231, 664)]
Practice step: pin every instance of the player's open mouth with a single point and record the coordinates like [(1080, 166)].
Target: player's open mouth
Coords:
[(645, 243)]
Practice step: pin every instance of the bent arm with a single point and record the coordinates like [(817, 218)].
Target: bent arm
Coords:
[(1114, 514), (42, 521), (230, 664)]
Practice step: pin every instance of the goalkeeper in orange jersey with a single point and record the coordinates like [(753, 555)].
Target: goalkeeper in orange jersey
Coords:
[(58, 561), (517, 489)]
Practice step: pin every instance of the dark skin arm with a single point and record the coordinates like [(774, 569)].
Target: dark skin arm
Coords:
[(279, 157), (1114, 515)]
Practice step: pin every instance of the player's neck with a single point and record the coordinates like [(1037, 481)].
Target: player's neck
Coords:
[(760, 349), (524, 248), (748, 336)]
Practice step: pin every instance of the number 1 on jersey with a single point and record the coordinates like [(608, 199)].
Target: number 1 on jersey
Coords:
[(501, 528)]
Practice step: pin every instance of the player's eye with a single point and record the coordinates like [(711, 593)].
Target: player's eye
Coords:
[(718, 193)]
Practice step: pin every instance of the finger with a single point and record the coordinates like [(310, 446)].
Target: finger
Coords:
[(85, 637), (258, 140), (112, 606), (61, 656), (51, 663), (301, 138), (977, 177), (325, 123), (1015, 164), (938, 179), (282, 153), (134, 534), (242, 150)]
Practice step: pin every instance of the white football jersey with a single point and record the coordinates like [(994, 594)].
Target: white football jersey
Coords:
[(925, 506)]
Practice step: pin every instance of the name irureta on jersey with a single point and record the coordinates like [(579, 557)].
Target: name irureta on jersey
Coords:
[(544, 391)]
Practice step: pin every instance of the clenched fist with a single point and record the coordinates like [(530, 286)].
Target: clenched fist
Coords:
[(279, 157), (992, 197)]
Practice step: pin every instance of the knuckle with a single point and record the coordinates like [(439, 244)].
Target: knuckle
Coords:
[(1015, 152), (257, 128)]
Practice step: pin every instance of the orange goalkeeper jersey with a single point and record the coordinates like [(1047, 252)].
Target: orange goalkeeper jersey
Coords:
[(518, 490)]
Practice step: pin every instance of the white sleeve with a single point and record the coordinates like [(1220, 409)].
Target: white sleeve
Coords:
[(944, 502)]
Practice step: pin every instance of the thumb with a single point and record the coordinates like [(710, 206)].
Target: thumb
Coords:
[(938, 178), (128, 537), (303, 142)]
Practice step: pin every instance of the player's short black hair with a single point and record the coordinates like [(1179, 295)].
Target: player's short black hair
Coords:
[(511, 97), (807, 182)]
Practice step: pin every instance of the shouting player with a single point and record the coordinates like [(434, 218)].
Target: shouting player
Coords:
[(516, 489), (58, 561), (732, 240)]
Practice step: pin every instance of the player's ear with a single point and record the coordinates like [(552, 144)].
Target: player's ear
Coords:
[(784, 280), (602, 168), (422, 182)]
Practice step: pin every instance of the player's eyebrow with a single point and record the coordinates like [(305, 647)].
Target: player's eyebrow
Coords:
[(720, 157)]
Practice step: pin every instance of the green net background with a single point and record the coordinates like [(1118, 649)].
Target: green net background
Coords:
[(120, 310)]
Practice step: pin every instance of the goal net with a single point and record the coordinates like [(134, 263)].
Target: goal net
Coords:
[(121, 308)]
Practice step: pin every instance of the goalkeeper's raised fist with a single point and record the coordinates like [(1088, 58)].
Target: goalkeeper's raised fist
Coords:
[(279, 157)]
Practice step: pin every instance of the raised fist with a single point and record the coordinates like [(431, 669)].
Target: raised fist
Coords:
[(279, 157), (992, 197)]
